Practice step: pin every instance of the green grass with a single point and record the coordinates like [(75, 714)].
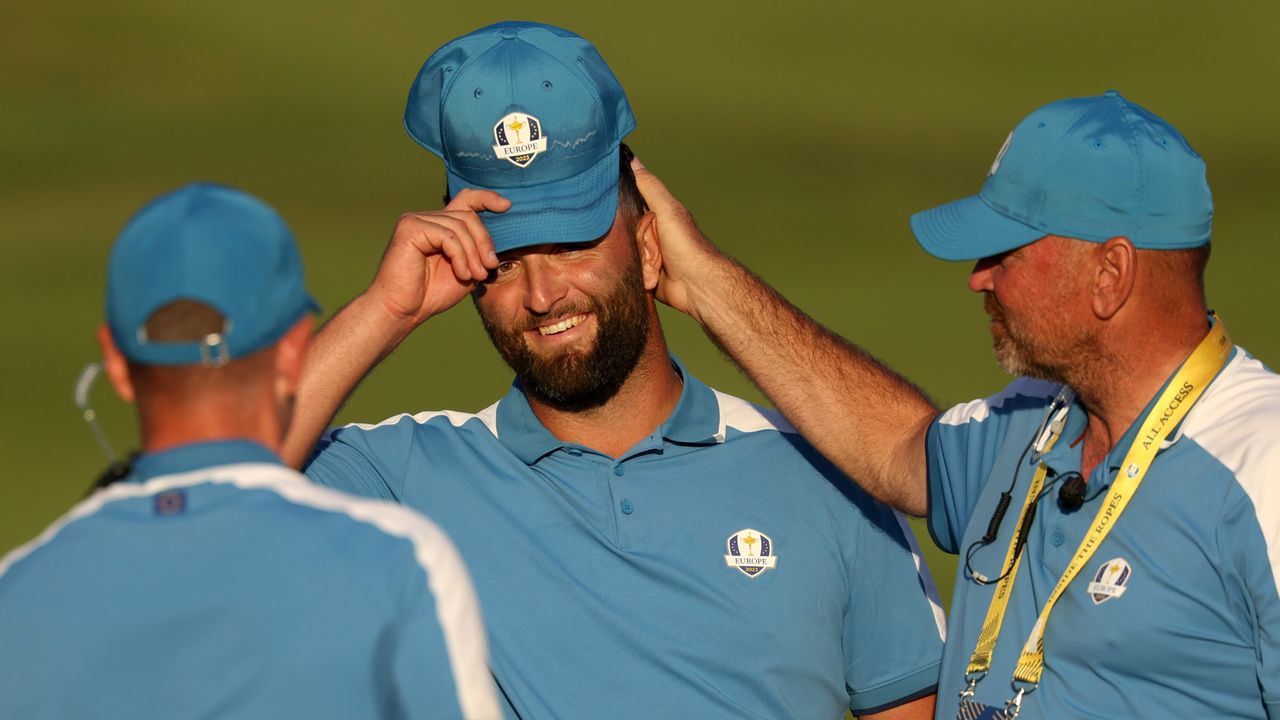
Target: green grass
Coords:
[(802, 135)]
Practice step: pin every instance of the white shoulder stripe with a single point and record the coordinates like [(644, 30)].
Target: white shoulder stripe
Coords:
[(926, 577), (456, 608), (746, 417), (1237, 421), (488, 416), (978, 410)]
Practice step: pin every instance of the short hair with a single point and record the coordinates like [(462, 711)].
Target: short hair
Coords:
[(184, 321), (190, 321), (630, 201)]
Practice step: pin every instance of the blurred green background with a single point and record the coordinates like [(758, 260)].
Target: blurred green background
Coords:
[(802, 135)]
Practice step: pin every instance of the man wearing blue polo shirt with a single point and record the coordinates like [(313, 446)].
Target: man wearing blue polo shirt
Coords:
[(1115, 508), (212, 581), (643, 545)]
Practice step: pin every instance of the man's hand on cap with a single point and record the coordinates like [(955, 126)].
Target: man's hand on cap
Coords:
[(435, 258)]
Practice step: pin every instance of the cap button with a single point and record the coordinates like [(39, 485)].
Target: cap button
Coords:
[(508, 34), (1112, 93)]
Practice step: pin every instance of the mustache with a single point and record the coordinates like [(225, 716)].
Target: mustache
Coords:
[(992, 307)]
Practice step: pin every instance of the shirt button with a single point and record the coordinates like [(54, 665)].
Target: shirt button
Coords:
[(627, 507), (619, 470), (1058, 537), (574, 452)]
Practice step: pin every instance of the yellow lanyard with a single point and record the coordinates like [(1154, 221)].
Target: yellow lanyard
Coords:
[(1174, 403)]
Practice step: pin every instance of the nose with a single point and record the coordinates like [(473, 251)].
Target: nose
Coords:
[(980, 279), (545, 286)]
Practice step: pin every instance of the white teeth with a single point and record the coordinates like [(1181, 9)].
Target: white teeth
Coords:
[(562, 325)]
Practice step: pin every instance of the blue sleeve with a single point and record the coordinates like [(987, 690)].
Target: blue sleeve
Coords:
[(369, 461), (894, 632)]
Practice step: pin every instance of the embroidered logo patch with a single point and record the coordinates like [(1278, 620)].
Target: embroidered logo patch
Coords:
[(1110, 581), (170, 503), (751, 551), (519, 137)]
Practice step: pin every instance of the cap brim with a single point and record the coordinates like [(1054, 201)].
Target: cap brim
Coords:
[(577, 209), (968, 229)]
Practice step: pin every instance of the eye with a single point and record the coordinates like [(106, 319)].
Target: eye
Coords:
[(505, 267)]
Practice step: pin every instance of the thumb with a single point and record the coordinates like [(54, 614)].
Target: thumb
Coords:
[(475, 200)]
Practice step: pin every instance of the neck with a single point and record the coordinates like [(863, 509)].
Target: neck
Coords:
[(645, 400), (1126, 373), (164, 424)]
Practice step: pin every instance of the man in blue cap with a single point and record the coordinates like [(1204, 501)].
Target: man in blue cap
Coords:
[(643, 545), (1114, 506), (213, 581)]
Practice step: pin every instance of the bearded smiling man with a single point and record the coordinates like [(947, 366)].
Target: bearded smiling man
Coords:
[(641, 545)]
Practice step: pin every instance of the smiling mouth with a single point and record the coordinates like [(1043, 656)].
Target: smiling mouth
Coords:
[(565, 324)]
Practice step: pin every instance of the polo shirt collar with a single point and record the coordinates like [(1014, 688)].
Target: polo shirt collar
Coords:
[(694, 421), (193, 456)]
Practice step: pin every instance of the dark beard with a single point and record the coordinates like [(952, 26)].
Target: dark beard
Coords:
[(578, 380)]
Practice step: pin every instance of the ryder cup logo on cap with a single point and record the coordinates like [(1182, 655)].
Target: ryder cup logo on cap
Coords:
[(1088, 168), (212, 245), (530, 111), (519, 150)]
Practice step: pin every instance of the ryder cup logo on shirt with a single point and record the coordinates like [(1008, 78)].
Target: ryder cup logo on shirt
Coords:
[(519, 137), (751, 551), (1110, 581)]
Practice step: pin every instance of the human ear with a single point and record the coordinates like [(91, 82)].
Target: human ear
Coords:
[(116, 365), (649, 249), (291, 357), (1114, 274)]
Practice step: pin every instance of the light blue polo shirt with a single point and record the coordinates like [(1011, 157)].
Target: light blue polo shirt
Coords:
[(215, 582), (718, 569), (1184, 618)]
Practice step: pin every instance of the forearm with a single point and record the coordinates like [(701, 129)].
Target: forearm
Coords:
[(358, 337), (865, 418)]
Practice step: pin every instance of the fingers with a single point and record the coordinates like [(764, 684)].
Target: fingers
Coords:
[(476, 200), (458, 236), (466, 204)]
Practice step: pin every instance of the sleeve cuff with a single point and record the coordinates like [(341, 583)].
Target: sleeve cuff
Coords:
[(903, 690)]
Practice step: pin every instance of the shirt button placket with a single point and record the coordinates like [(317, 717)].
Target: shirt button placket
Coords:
[(626, 506)]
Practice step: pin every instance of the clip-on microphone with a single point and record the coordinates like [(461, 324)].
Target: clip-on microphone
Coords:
[(1071, 495)]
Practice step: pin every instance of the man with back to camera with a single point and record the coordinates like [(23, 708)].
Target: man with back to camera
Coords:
[(213, 581), (1091, 235), (622, 519)]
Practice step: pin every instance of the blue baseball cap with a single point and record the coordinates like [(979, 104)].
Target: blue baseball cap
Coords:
[(1090, 168), (214, 245), (533, 112)]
